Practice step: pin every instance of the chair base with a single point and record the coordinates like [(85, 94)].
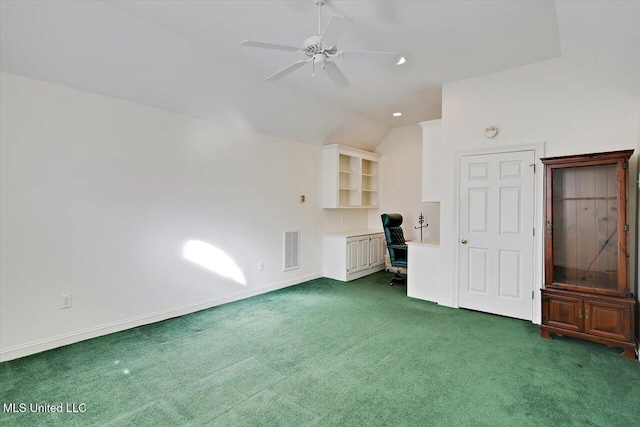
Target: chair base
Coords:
[(398, 278)]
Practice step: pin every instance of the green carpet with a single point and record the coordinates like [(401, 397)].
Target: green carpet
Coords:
[(326, 353)]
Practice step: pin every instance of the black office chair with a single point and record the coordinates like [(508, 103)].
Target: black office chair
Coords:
[(396, 245)]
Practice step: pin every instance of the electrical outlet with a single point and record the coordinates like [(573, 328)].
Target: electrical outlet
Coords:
[(65, 301), (261, 266)]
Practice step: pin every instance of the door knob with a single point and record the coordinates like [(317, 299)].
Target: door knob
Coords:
[(464, 241)]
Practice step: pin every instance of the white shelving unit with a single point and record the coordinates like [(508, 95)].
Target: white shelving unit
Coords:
[(350, 177)]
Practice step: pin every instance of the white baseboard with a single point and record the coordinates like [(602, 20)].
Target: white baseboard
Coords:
[(446, 303), (34, 347), (439, 301)]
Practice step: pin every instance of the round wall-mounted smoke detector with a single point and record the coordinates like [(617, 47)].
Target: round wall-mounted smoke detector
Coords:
[(491, 131)]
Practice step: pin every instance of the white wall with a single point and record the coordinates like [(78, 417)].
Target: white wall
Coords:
[(99, 195), (554, 102), (144, 63), (344, 219), (635, 183), (401, 183)]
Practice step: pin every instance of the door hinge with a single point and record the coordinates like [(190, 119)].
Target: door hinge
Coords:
[(626, 293), (625, 165), (533, 165), (628, 311), (534, 231), (533, 295), (626, 227)]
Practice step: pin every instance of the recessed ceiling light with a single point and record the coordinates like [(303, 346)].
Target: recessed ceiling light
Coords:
[(398, 114), (401, 61)]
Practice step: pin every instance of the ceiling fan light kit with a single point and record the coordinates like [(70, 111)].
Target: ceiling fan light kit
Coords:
[(322, 49)]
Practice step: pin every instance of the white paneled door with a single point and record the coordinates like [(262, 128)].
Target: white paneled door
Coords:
[(496, 233)]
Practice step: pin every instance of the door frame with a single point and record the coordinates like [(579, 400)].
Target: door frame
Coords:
[(538, 267)]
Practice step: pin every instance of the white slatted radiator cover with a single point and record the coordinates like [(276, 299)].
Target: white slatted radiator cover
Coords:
[(291, 250)]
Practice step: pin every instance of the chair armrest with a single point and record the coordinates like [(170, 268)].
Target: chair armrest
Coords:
[(397, 246)]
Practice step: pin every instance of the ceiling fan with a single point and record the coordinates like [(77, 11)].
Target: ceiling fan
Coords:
[(322, 50)]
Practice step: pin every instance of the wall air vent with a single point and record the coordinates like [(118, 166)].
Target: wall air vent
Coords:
[(291, 250)]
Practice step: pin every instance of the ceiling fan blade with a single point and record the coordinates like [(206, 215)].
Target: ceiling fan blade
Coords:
[(263, 45), (382, 58), (288, 70), (336, 75), (335, 29)]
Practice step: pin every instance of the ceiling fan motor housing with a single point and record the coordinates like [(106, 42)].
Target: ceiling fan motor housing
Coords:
[(313, 47)]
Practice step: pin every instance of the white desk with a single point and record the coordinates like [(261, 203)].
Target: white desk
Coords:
[(423, 269)]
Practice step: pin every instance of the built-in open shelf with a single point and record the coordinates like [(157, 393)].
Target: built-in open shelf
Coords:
[(350, 177)]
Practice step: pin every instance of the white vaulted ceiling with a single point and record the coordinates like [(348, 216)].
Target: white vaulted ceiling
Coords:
[(185, 56)]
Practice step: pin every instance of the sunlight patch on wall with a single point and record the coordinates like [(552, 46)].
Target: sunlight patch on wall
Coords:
[(213, 259)]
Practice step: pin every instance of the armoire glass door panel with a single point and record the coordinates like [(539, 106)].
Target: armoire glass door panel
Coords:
[(585, 226)]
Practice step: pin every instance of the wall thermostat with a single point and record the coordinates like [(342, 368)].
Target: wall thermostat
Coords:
[(491, 131)]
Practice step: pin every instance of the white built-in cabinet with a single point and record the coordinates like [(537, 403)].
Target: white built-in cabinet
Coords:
[(433, 168), (352, 254), (350, 177)]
